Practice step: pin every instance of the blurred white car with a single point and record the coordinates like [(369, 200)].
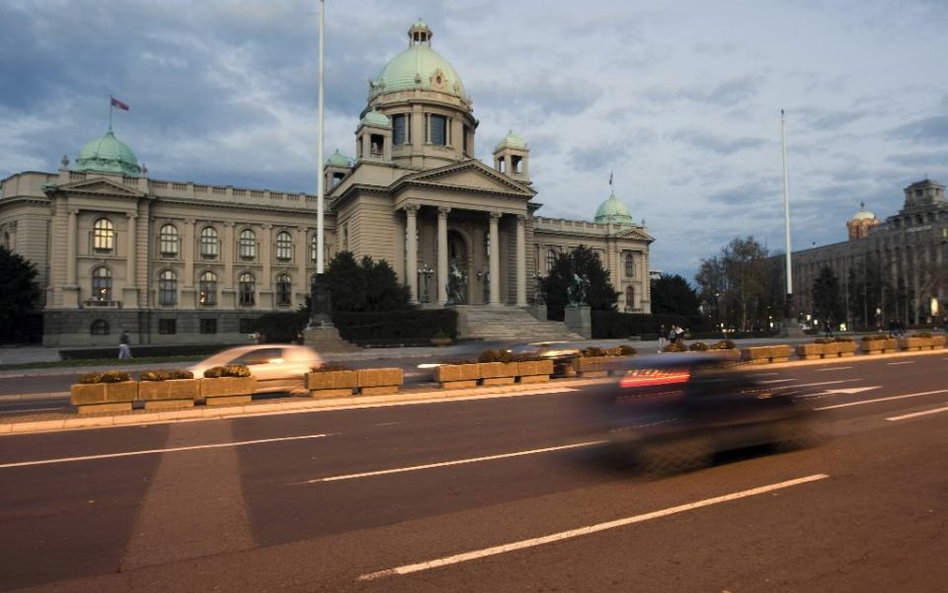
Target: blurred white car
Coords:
[(277, 367)]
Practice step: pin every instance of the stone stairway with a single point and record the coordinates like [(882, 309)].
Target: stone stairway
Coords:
[(509, 324)]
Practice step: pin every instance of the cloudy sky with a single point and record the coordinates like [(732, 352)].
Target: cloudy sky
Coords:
[(679, 99)]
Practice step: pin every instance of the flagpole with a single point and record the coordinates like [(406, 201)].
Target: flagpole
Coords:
[(320, 238), (110, 113)]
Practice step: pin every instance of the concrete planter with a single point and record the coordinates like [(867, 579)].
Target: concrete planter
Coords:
[(534, 371), (914, 344), (90, 398), (872, 346), (339, 383), (847, 348), (809, 351), (497, 373), (171, 394), (456, 376), (831, 349), (227, 391), (380, 381), (593, 366), (938, 342), (767, 354)]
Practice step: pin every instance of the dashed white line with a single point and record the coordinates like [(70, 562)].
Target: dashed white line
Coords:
[(413, 468), (574, 533), (832, 369), (901, 362), (882, 399), (156, 451), (916, 414)]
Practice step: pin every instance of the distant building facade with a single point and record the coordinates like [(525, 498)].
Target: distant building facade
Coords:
[(891, 270), (182, 262)]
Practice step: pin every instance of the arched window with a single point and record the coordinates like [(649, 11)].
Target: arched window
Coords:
[(99, 327), (550, 260), (246, 289), (210, 248), (284, 290), (207, 289), (629, 266), (168, 241), (284, 246), (247, 244), (102, 284), (167, 288), (103, 235)]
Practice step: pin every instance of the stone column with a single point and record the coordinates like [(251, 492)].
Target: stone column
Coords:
[(189, 254), (302, 255), (521, 261), (266, 256), (71, 232), (130, 292), (494, 265), (443, 255), (411, 250), (227, 255)]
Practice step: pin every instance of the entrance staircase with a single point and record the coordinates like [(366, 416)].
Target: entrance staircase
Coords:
[(509, 324)]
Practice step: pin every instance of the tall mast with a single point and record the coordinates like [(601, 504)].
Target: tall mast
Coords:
[(786, 209), (320, 189)]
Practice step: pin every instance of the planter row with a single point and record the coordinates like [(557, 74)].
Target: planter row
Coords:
[(158, 395), (457, 376)]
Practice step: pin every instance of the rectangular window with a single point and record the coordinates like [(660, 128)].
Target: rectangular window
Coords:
[(247, 326), (167, 326), (439, 130), (400, 134), (208, 326)]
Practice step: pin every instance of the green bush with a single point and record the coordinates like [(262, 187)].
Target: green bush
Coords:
[(723, 345), (165, 375), (105, 377), (231, 370), (698, 347)]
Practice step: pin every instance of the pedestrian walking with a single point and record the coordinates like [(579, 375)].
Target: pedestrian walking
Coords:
[(661, 337), (124, 351)]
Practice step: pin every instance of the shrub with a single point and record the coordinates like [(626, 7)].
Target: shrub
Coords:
[(698, 347), (875, 337), (495, 356), (627, 350), (921, 335), (165, 375), (823, 341), (843, 339), (592, 351), (330, 367), (723, 345), (674, 347), (231, 370), (105, 377)]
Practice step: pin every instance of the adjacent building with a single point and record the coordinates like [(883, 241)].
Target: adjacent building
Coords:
[(178, 261)]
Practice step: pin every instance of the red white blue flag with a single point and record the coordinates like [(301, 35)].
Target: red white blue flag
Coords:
[(119, 104)]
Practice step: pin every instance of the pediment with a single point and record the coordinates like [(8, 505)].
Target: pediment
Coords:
[(99, 186), (469, 175)]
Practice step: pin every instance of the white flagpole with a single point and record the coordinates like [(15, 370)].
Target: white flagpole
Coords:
[(786, 209), (320, 239)]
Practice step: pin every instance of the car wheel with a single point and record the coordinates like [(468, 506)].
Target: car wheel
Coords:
[(674, 456)]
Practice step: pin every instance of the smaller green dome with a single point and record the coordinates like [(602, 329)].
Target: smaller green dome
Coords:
[(376, 119), (108, 154), (337, 159), (612, 211), (511, 140)]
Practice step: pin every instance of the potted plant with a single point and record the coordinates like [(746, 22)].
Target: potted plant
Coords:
[(164, 389), (227, 385), (108, 391)]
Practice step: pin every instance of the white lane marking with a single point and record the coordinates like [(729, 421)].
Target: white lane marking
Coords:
[(154, 451), (852, 390), (828, 383), (769, 381), (916, 414), (902, 362), (413, 468), (832, 369), (574, 533), (882, 399)]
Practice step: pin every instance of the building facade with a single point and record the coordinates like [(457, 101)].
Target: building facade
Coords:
[(179, 262), (891, 270)]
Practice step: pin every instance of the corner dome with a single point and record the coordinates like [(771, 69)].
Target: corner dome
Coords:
[(612, 211), (418, 67), (511, 140), (376, 119), (108, 154), (863, 214), (337, 159)]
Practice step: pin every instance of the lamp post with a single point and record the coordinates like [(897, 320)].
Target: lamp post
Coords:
[(426, 272)]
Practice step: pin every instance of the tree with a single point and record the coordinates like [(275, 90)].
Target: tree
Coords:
[(582, 262), (738, 284), (827, 304), (672, 294), (19, 296), (364, 286)]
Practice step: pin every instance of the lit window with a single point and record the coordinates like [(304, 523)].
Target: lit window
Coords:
[(103, 235), (102, 284), (168, 238), (207, 288)]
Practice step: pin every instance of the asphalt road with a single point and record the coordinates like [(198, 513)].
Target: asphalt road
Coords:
[(505, 494)]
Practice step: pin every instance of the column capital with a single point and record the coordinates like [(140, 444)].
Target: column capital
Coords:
[(495, 215), (410, 207), (443, 211), (187, 221), (522, 218)]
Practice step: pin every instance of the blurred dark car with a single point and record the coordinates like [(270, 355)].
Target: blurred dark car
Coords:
[(676, 411), (277, 367), (560, 352)]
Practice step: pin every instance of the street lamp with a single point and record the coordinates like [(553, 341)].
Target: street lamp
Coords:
[(426, 271)]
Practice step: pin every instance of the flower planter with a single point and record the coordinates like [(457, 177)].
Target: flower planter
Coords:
[(170, 394), (938, 342), (593, 366), (227, 391), (534, 371), (872, 346), (90, 398), (497, 373), (380, 381), (831, 350), (914, 344), (457, 376), (809, 351), (766, 354), (339, 383), (847, 348)]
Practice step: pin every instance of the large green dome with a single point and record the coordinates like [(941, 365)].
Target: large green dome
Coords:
[(418, 67), (108, 154), (612, 211)]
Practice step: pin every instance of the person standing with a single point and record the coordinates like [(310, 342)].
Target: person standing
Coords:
[(124, 350)]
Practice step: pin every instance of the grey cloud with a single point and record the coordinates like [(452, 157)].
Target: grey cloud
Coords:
[(727, 93), (930, 130), (716, 143)]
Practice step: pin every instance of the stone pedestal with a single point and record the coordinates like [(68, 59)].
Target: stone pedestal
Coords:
[(538, 310), (326, 338), (579, 320), (791, 329)]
